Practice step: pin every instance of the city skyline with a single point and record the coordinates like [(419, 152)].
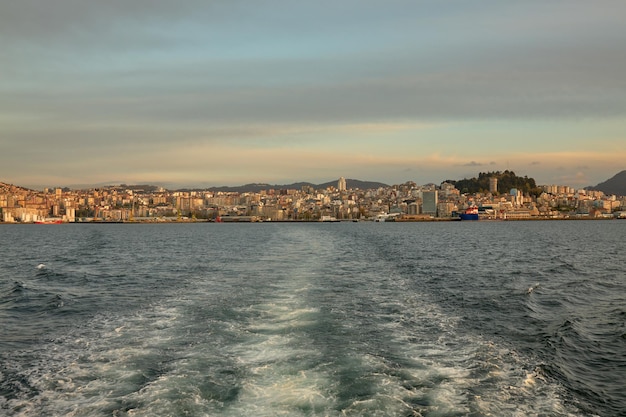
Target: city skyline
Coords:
[(213, 94)]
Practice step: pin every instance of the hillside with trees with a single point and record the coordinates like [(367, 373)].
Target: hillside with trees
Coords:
[(506, 181)]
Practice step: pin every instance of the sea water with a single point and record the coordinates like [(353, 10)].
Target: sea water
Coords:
[(314, 319)]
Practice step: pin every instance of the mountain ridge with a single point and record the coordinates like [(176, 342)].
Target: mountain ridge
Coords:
[(616, 185), (256, 187)]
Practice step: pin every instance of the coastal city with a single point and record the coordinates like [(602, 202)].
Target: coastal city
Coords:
[(402, 202)]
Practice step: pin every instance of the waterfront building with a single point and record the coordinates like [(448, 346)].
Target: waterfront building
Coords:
[(445, 209), (429, 202)]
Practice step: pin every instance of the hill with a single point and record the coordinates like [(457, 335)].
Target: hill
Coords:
[(10, 188), (506, 181), (256, 187), (615, 185), (247, 188)]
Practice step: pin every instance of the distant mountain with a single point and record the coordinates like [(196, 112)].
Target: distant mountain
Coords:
[(355, 184), (256, 187), (615, 185), (247, 188)]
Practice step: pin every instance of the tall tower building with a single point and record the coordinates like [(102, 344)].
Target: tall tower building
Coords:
[(493, 185), (341, 184)]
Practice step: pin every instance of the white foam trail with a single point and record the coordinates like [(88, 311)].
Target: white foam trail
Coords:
[(279, 381), (456, 373)]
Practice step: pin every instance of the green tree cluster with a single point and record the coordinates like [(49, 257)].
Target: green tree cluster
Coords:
[(506, 181)]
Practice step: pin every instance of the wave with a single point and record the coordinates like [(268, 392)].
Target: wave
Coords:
[(590, 359)]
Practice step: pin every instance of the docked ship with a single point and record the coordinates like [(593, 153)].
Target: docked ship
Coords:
[(49, 221), (471, 213)]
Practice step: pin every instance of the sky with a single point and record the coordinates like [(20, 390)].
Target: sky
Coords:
[(209, 93)]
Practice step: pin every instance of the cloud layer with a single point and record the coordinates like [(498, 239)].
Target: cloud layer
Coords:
[(103, 84)]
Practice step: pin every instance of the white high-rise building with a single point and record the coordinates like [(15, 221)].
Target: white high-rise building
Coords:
[(341, 184)]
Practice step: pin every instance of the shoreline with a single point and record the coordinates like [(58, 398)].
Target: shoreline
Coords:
[(433, 220)]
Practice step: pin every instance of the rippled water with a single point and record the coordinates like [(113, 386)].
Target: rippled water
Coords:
[(350, 319)]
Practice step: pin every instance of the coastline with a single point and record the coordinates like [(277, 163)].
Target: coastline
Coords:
[(431, 220)]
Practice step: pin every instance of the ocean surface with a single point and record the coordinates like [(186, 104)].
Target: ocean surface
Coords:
[(314, 319)]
